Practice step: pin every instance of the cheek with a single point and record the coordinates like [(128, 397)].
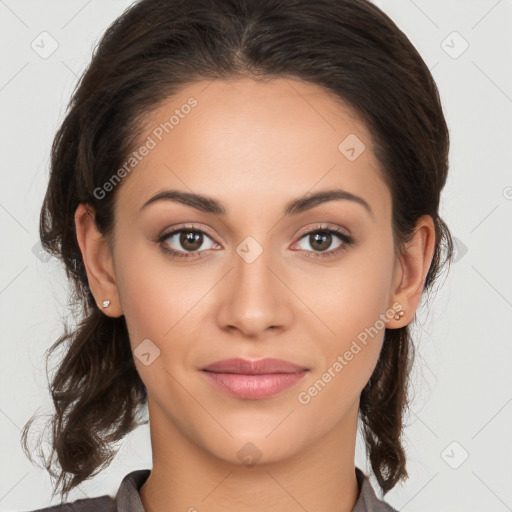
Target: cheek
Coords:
[(148, 288), (141, 290), (349, 355), (332, 395), (353, 305), (351, 296), (159, 304), (352, 353)]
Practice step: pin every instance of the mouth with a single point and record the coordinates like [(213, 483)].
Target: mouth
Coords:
[(254, 380)]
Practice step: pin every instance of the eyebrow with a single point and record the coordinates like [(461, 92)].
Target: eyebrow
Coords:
[(210, 205)]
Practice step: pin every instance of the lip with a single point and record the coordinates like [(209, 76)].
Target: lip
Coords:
[(254, 380), (256, 367)]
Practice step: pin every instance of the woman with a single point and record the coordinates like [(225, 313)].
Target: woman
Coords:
[(245, 194)]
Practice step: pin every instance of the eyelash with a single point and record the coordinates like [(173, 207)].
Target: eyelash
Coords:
[(346, 239)]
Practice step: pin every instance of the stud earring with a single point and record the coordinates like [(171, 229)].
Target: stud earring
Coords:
[(399, 315), (105, 303)]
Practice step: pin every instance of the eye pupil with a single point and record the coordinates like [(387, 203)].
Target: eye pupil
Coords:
[(193, 237), (321, 238)]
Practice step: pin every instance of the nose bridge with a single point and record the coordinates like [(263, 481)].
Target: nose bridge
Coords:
[(255, 300), (252, 264)]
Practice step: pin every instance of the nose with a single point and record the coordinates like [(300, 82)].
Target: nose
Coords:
[(254, 298)]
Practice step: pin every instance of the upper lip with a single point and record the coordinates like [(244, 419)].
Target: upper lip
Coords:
[(257, 367)]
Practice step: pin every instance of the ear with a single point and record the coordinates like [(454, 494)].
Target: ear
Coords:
[(97, 259), (411, 271)]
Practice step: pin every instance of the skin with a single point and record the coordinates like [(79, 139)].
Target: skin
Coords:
[(254, 146)]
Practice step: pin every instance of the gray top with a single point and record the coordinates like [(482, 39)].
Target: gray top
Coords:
[(128, 498)]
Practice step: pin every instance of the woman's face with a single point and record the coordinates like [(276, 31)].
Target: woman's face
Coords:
[(247, 281)]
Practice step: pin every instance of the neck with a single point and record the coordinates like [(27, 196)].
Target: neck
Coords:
[(185, 477)]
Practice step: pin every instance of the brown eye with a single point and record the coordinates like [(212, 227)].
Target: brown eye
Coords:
[(182, 241), (191, 240), (321, 240)]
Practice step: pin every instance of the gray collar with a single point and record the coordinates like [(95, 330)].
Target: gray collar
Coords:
[(128, 497)]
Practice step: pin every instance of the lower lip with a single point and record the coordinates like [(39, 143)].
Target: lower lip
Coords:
[(254, 387)]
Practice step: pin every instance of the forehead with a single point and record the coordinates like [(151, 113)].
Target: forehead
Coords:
[(247, 140)]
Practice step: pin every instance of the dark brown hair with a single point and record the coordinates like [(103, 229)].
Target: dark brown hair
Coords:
[(155, 48)]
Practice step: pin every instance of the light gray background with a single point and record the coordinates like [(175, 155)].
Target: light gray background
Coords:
[(462, 380)]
